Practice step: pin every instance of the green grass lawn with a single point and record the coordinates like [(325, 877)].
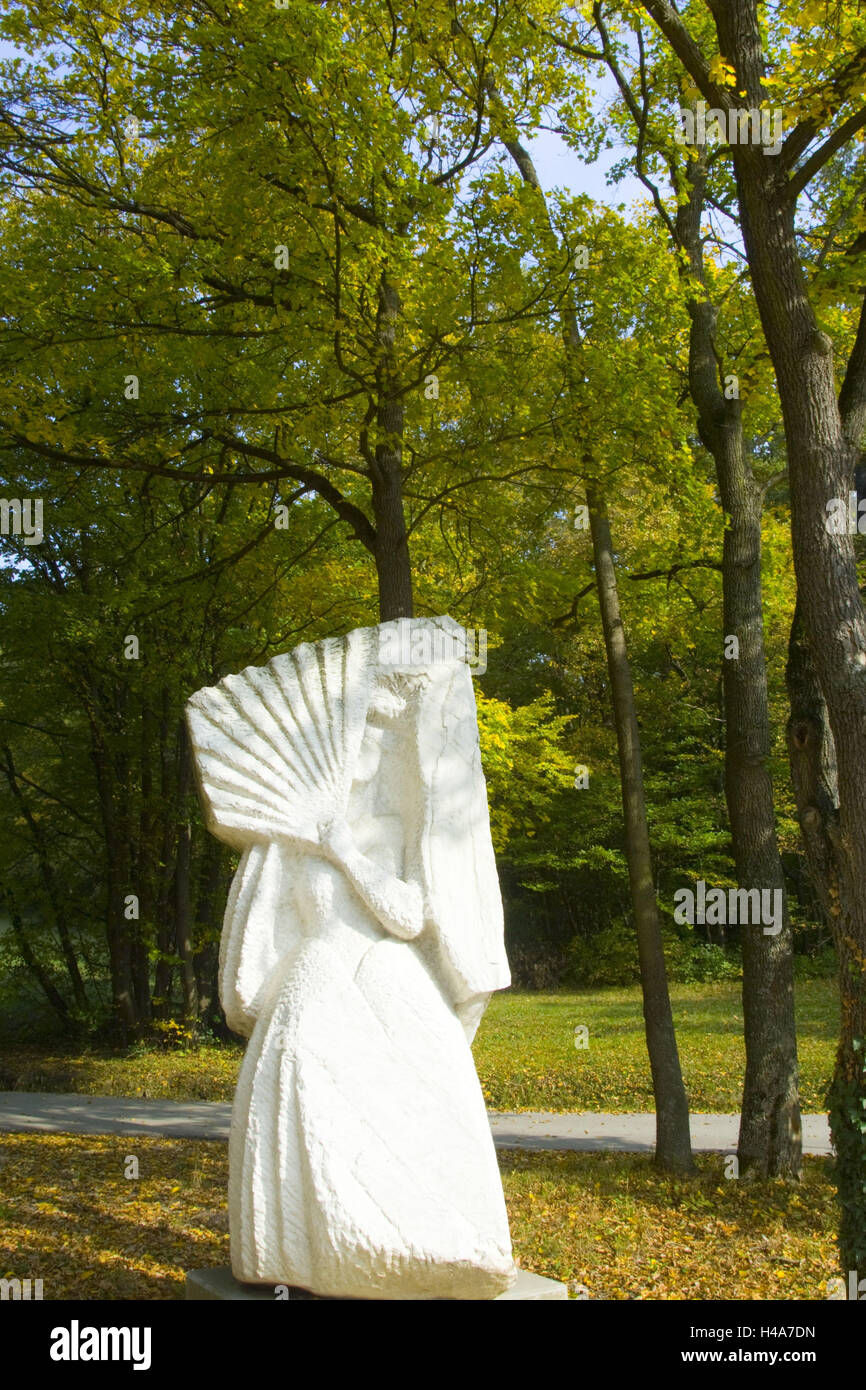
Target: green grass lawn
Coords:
[(524, 1051), (527, 1059), (609, 1225)]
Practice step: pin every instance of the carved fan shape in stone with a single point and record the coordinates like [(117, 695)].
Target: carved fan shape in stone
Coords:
[(275, 745)]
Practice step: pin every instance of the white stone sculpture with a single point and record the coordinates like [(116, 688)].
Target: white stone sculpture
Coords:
[(362, 939)]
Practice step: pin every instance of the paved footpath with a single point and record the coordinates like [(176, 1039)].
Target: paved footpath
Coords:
[(26, 1111)]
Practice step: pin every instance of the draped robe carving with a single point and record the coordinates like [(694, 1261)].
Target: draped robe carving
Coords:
[(362, 939)]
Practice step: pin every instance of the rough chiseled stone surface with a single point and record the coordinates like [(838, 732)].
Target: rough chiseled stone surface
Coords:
[(362, 939)]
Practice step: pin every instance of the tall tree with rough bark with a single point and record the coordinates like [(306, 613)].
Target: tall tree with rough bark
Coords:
[(757, 63), (770, 1142), (673, 1141)]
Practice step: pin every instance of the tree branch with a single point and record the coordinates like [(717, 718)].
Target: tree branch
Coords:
[(572, 612), (852, 397), (668, 574), (834, 142)]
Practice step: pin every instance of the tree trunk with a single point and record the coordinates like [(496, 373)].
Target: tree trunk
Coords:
[(110, 786), (32, 962), (673, 1143), (140, 965), (207, 957), (770, 1143), (821, 464), (393, 566), (46, 870), (821, 459), (813, 771), (182, 915), (119, 945), (673, 1139), (164, 884), (148, 857)]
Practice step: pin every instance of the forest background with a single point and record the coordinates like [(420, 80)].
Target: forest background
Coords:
[(294, 339), (197, 204)]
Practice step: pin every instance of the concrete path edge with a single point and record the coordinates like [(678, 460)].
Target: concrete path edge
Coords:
[(585, 1132)]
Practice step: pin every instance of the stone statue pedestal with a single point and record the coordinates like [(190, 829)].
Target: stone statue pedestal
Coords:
[(216, 1285)]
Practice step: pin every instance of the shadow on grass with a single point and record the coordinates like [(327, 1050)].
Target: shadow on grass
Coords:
[(207, 1073), (72, 1220), (611, 1177)]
